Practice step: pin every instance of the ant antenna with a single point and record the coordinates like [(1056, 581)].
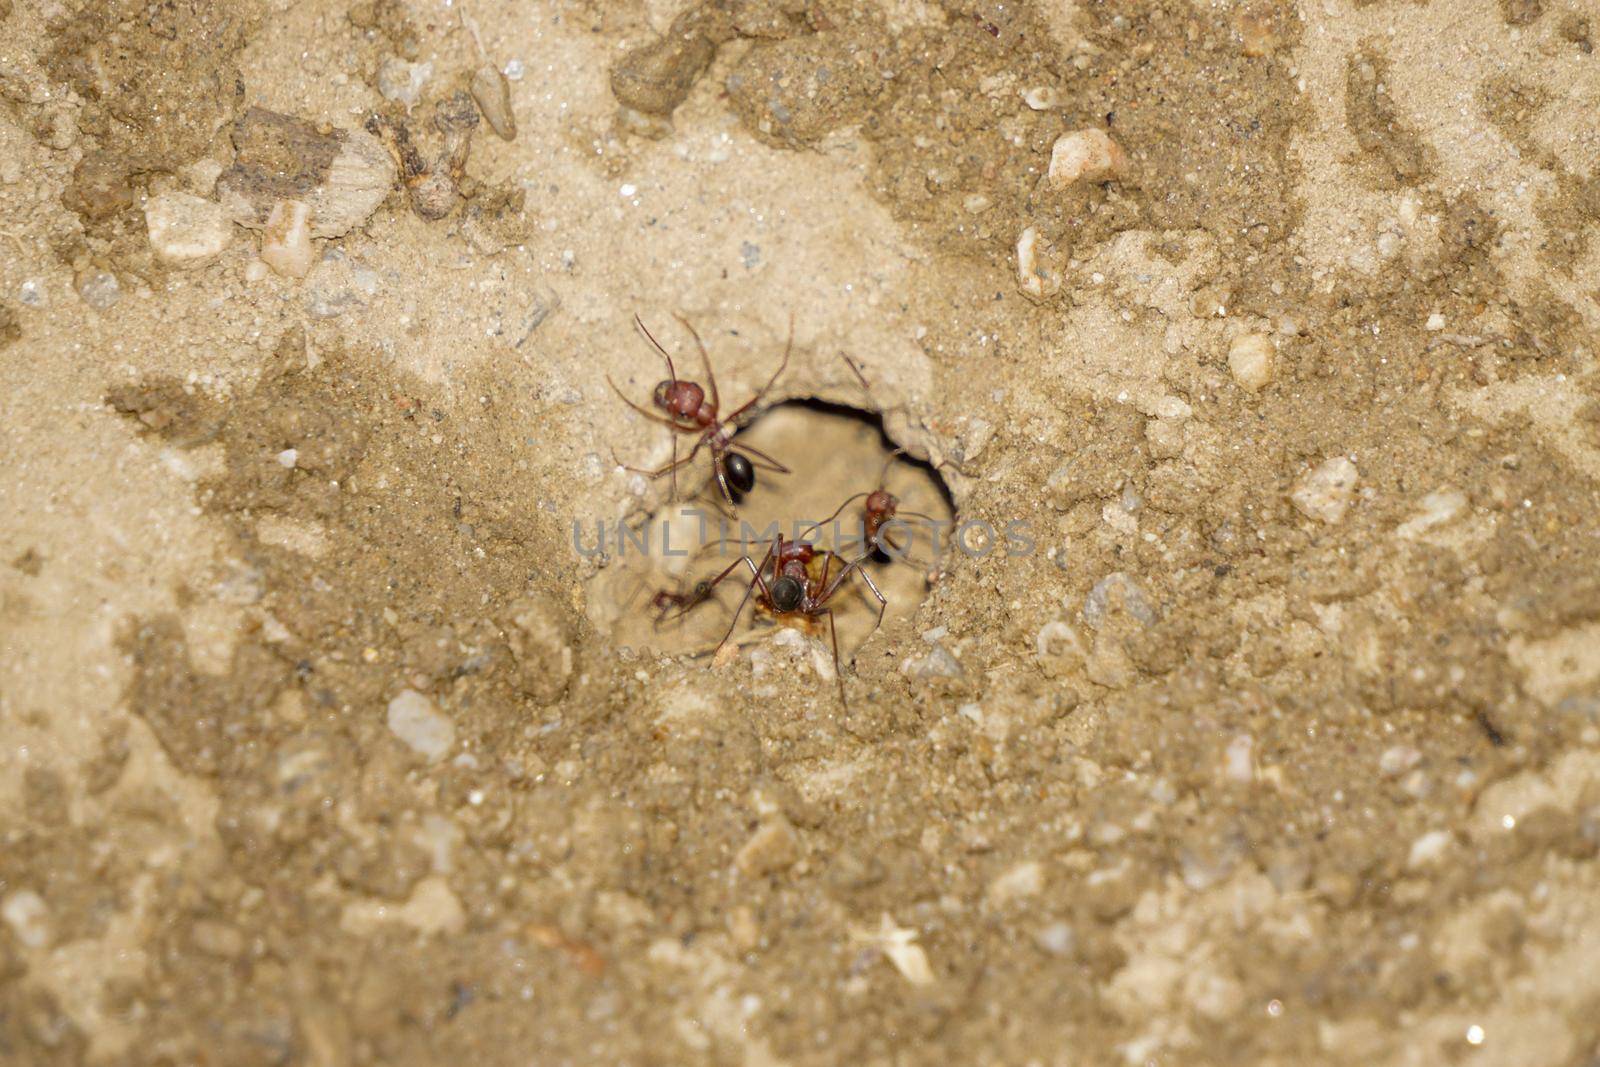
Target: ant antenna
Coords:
[(862, 378), (671, 372)]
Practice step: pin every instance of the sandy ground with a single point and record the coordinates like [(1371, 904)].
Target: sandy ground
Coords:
[(1274, 737)]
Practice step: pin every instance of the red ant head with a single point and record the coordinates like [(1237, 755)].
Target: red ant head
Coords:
[(678, 398), (882, 502)]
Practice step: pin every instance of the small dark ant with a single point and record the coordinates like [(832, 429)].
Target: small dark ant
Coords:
[(670, 603), (689, 411), (667, 604), (794, 590)]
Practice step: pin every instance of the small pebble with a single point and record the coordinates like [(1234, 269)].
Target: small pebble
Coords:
[(1039, 281), (288, 458), (1239, 760), (772, 848), (1117, 590), (1057, 939), (417, 723), (898, 943), (1326, 491), (1018, 883), (286, 240), (1428, 849), (1398, 760), (185, 230), (1041, 98), (99, 289), (492, 93), (28, 916), (938, 663), (401, 81), (1085, 155), (31, 293), (1250, 361), (1435, 322)]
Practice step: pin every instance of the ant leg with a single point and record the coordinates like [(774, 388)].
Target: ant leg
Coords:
[(838, 671), (787, 348), (754, 582), (637, 321), (705, 361), (722, 479), (758, 454), (758, 463), (669, 468), (901, 552), (862, 378), (883, 603)]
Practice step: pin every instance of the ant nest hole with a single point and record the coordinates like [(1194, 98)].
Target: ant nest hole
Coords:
[(656, 595)]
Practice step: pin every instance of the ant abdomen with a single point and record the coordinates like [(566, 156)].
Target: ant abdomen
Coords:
[(740, 471), (787, 592)]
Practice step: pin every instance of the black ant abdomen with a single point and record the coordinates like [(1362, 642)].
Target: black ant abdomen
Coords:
[(787, 593), (741, 472)]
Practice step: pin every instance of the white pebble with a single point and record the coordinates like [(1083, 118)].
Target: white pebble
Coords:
[(289, 457), (1428, 848), (422, 728), (401, 81), (28, 916), (286, 240), (186, 230), (1085, 155), (1250, 361), (1238, 760), (1325, 492), (1038, 279), (99, 289), (1435, 322), (1057, 939), (1398, 760), (1018, 883), (1041, 98), (1437, 508)]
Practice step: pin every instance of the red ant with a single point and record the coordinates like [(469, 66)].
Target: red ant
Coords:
[(880, 510), (881, 507), (689, 411), (793, 590)]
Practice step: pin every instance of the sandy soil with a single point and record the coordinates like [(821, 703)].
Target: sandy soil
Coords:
[(1274, 739)]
